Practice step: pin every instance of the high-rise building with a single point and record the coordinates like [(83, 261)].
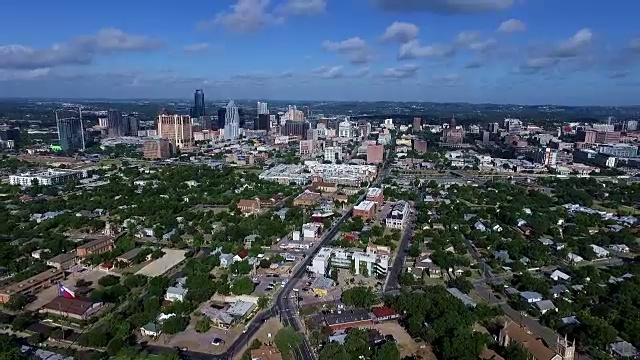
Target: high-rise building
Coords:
[(133, 125), (157, 149), (293, 114), (222, 115), (632, 125), (295, 128), (198, 108), (345, 129), (513, 126), (417, 124), (263, 122), (486, 135), (263, 108), (333, 154), (586, 136), (117, 126), (493, 127), (70, 129), (231, 122), (375, 154), (177, 129), (306, 147), (607, 137), (547, 156)]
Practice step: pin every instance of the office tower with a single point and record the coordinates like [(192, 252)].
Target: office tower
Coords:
[(493, 127), (222, 114), (293, 114), (632, 125), (263, 109), (485, 136), (198, 108), (417, 124), (295, 128), (513, 126), (263, 122), (133, 125), (9, 133), (586, 136), (177, 129), (312, 134), (333, 154), (116, 124), (103, 122), (232, 122), (547, 156), (70, 129), (345, 129), (157, 149), (607, 137), (306, 147)]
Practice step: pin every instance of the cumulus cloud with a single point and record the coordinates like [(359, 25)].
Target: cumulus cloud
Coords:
[(402, 32), (447, 80), (445, 6), (194, 48), (413, 50), (304, 7), (572, 49), (247, 16), (511, 26), (78, 51), (401, 72), (355, 48), (24, 75)]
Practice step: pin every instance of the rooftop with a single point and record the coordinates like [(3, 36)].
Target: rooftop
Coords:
[(97, 242), (62, 258), (374, 192), (365, 206), (76, 306), (240, 308), (347, 316), (36, 279), (323, 283)]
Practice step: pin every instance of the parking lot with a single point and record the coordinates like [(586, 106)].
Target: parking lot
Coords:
[(267, 285)]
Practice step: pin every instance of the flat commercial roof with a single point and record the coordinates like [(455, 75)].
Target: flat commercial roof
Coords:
[(373, 192), (77, 306), (365, 206), (171, 258), (347, 316), (36, 279), (240, 308)]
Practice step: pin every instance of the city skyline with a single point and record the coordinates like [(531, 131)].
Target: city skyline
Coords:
[(499, 51)]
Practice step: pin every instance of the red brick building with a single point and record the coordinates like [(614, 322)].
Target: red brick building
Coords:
[(375, 195), (99, 246), (375, 154), (365, 210)]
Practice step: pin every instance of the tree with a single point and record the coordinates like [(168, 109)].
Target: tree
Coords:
[(286, 339), (242, 286), (515, 351), (22, 321), (388, 351), (109, 280), (203, 325), (175, 324), (414, 250), (82, 283), (333, 351), (359, 296), (17, 302), (157, 254), (240, 268), (263, 301)]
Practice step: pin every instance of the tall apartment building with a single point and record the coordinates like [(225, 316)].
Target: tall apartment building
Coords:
[(420, 146), (157, 149), (232, 122), (375, 154), (70, 129), (333, 154), (607, 137), (263, 108), (586, 136), (345, 130), (306, 147), (177, 129), (513, 126)]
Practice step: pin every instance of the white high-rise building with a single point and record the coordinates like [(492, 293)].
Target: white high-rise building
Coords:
[(333, 154), (263, 109), (345, 129), (232, 122)]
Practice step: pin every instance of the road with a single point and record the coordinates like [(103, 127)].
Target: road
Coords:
[(398, 262)]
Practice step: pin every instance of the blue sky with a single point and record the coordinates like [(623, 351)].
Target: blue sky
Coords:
[(578, 52)]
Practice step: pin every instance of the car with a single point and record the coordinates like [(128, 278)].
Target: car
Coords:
[(217, 342), (245, 329)]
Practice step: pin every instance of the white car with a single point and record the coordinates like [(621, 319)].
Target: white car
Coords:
[(217, 342)]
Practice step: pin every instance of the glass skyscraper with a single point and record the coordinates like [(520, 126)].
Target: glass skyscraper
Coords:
[(70, 129), (198, 104), (232, 122)]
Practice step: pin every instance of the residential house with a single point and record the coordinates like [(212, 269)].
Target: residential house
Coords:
[(480, 226), (574, 258), (559, 290), (266, 352), (226, 260), (545, 306), (600, 251), (530, 296), (546, 241), (621, 248), (151, 329), (178, 292), (558, 275), (384, 313), (241, 255), (623, 349)]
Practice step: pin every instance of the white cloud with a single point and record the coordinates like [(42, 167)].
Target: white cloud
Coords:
[(401, 72), (511, 26), (413, 50), (574, 45), (24, 75), (634, 44), (401, 31), (445, 6), (304, 7), (78, 51), (355, 48), (199, 47), (466, 38), (246, 16)]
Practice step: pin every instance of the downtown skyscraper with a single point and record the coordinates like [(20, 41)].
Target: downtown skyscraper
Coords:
[(198, 108), (117, 125), (231, 122), (263, 108), (70, 129)]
